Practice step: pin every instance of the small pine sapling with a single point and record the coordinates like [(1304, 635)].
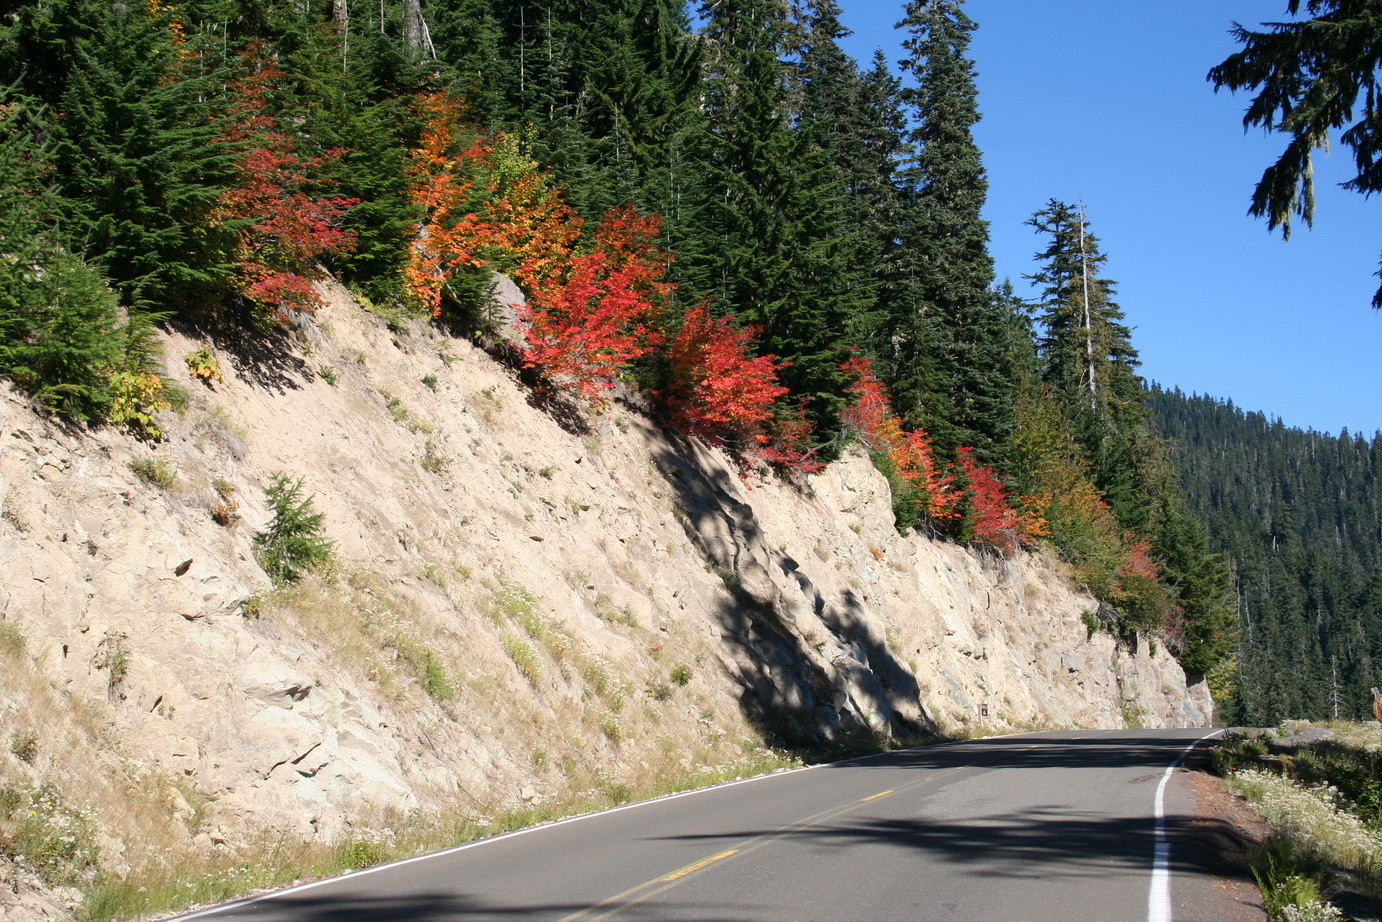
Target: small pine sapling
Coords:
[(293, 543)]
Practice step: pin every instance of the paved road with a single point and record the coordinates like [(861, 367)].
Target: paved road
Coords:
[(1032, 827)]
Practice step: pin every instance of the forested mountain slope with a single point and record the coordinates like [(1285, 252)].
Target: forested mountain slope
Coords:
[(1300, 515)]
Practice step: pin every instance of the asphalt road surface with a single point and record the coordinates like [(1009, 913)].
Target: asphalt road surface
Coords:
[(1039, 826)]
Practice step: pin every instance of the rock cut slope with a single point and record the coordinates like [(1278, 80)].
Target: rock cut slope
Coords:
[(518, 610)]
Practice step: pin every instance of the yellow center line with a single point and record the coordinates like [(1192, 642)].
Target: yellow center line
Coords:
[(613, 905), (693, 868)]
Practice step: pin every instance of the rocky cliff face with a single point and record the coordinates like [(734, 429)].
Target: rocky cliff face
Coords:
[(522, 607)]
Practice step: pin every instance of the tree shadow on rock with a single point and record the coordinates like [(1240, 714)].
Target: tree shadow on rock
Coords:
[(268, 357), (866, 701)]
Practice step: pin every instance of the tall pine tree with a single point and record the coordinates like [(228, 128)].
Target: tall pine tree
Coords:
[(950, 368), (769, 240)]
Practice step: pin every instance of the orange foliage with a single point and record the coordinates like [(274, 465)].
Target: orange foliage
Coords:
[(871, 418), (483, 204)]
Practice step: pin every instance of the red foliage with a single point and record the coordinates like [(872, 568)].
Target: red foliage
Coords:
[(719, 390), (871, 418), (281, 221), (994, 520), (789, 445), (584, 324), (1137, 562)]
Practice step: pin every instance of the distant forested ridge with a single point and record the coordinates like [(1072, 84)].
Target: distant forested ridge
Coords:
[(1299, 514), (780, 250)]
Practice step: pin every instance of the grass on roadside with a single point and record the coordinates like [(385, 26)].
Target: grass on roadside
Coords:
[(274, 864), (1320, 805)]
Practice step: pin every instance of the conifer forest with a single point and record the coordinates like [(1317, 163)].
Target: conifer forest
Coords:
[(775, 248)]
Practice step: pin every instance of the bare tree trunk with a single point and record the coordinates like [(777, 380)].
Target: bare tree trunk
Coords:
[(416, 36), (1088, 324), (340, 15)]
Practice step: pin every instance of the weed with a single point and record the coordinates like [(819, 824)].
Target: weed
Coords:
[(327, 374), (612, 726), (433, 461), (425, 665), (681, 675), (523, 657), (1134, 718), (113, 656), (202, 365), (434, 573), (596, 676), (360, 853), (546, 472), (158, 471), (9, 511), (820, 552), (293, 543), (252, 607), (1288, 893), (659, 691), (604, 608), (45, 836), (225, 508), (10, 638), (728, 577), (429, 382), (24, 747)]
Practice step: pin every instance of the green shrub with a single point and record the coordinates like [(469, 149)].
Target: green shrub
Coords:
[(45, 835), (1091, 622), (681, 675), (157, 471), (293, 543)]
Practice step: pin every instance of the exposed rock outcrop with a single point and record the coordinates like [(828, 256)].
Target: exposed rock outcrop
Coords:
[(518, 609)]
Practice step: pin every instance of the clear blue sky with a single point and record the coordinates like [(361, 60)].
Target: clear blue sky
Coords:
[(1106, 101)]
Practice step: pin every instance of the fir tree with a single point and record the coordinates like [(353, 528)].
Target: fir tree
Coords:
[(1310, 78), (768, 239), (949, 374), (133, 141)]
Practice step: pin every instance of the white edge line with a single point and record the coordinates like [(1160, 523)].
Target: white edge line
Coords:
[(312, 885), (1159, 893)]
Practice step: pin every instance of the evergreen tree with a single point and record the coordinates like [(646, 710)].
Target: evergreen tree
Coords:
[(869, 156), (61, 336), (1089, 363), (133, 139), (949, 373), (768, 239), (1310, 78), (1299, 517)]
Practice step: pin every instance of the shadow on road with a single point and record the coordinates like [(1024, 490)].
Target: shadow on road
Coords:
[(443, 907)]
